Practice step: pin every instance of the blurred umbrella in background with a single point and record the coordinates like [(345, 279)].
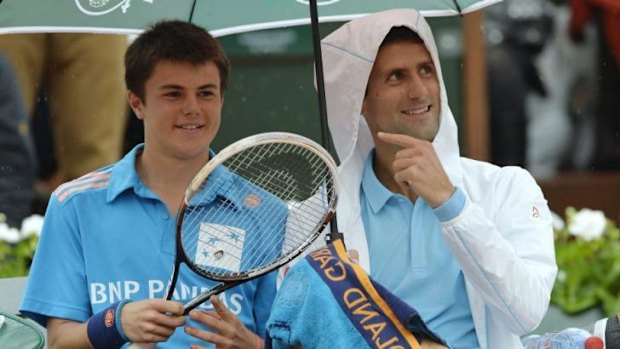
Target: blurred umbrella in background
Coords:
[(220, 17)]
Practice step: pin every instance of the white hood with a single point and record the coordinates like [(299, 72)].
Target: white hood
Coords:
[(348, 57)]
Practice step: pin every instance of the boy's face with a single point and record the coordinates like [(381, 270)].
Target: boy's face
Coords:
[(403, 93), (181, 109)]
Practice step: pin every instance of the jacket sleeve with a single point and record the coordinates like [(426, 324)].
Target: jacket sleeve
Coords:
[(504, 243)]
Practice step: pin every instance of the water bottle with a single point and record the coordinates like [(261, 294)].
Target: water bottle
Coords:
[(608, 329), (569, 338), (603, 334)]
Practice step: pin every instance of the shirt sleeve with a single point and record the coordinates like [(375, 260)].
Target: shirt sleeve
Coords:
[(452, 207), (57, 284)]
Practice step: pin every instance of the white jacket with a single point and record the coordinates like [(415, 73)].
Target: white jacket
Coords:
[(503, 239)]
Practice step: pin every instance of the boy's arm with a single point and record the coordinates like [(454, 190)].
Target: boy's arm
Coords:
[(62, 333), (146, 321)]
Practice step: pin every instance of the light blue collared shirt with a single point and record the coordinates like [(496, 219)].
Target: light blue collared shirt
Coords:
[(108, 237), (409, 257)]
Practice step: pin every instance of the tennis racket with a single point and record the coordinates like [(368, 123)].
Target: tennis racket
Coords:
[(255, 206)]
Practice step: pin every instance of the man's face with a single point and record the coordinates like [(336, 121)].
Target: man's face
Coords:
[(403, 92), (181, 109)]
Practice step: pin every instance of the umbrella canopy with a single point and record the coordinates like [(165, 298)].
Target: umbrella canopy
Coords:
[(220, 17)]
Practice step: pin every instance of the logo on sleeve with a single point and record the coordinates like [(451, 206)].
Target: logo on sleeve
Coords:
[(252, 201), (535, 212)]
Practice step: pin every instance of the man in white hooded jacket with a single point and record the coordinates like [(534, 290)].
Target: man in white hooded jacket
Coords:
[(466, 243)]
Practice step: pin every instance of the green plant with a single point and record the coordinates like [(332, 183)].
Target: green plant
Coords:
[(587, 249), (17, 246)]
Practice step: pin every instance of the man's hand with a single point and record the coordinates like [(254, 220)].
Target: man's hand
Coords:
[(151, 320), (417, 166), (228, 331)]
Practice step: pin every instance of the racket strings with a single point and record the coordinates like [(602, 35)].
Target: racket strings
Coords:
[(297, 232), (287, 189), (279, 197)]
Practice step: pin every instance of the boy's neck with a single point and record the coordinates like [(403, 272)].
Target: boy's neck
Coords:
[(168, 177)]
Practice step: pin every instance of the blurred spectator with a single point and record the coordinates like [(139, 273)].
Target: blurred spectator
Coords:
[(517, 32), (541, 88), (582, 11), (568, 111), (606, 16), (17, 167), (82, 74)]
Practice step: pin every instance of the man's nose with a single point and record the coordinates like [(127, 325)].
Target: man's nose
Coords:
[(416, 88)]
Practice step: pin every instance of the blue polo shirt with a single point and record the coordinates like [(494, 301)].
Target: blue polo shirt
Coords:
[(409, 257), (108, 237)]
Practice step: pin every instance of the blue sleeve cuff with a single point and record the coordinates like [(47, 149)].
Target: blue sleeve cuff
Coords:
[(103, 330), (452, 207)]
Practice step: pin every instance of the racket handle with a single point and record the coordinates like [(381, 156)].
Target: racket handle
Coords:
[(203, 297), (189, 306)]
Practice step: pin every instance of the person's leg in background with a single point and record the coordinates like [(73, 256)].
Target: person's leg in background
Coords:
[(17, 165), (87, 100), (506, 95), (27, 54)]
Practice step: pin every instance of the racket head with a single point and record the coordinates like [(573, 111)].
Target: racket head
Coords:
[(256, 205)]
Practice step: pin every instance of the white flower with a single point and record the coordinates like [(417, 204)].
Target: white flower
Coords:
[(588, 224), (8, 234), (561, 277), (32, 226), (557, 221)]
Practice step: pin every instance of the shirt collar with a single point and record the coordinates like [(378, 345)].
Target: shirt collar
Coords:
[(125, 176), (226, 187), (376, 193)]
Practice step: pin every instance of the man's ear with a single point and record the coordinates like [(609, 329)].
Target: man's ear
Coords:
[(136, 104)]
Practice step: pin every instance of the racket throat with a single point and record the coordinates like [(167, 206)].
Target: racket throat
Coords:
[(203, 297)]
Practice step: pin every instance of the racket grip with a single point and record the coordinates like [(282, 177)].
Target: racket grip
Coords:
[(189, 306), (203, 297)]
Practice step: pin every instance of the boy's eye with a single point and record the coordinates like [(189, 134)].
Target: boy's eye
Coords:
[(172, 94), (205, 93)]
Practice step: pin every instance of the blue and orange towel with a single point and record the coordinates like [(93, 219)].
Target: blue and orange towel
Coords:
[(327, 301)]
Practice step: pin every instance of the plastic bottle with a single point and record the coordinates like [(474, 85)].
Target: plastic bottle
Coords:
[(598, 329), (569, 338), (603, 334), (594, 343), (609, 330)]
